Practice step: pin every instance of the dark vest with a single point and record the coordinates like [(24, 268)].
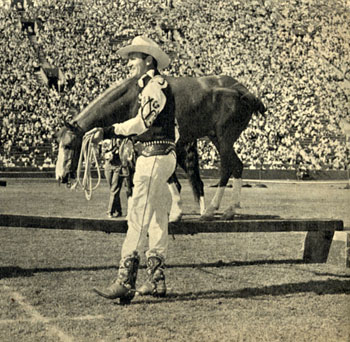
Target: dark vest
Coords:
[(163, 127)]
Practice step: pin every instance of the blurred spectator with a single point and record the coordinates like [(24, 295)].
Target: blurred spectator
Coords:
[(113, 173)]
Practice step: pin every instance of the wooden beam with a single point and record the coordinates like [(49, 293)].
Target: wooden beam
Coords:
[(186, 226)]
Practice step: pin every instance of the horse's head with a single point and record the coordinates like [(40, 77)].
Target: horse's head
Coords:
[(116, 104), (70, 140)]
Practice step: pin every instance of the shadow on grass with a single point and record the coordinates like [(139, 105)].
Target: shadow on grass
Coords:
[(15, 271), (331, 275), (322, 287)]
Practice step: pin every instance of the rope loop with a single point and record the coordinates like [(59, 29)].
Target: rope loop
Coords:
[(87, 156)]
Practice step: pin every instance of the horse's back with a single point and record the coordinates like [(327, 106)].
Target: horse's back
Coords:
[(192, 89), (241, 91), (198, 101), (203, 84), (194, 105)]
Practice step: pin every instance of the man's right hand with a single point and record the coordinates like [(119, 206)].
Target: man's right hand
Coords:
[(97, 134)]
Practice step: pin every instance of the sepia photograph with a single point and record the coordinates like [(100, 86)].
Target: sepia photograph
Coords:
[(175, 170)]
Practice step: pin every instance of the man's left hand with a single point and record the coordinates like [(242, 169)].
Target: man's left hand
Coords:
[(97, 134)]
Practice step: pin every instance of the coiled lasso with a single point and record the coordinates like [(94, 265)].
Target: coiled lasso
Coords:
[(87, 157)]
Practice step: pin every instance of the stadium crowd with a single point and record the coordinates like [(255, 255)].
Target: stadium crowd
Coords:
[(294, 55)]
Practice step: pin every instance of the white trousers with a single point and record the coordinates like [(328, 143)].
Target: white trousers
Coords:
[(149, 206)]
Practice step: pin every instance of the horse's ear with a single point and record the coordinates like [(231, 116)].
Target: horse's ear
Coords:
[(65, 122), (58, 134)]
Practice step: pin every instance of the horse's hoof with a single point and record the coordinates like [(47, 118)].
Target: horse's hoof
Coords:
[(207, 217), (209, 214), (174, 219), (228, 216)]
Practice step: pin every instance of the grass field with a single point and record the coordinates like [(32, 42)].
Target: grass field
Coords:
[(221, 287), (287, 200)]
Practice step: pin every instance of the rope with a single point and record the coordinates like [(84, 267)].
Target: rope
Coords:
[(87, 155)]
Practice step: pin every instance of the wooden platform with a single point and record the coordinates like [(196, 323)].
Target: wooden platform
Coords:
[(317, 243), (191, 225)]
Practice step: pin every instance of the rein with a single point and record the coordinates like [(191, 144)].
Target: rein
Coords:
[(87, 155)]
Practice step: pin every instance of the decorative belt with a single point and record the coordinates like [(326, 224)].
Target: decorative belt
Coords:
[(155, 147), (157, 142)]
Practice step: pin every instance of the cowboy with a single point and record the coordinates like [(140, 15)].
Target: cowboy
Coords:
[(149, 205), (112, 171)]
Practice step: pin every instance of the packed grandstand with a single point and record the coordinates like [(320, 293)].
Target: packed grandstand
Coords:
[(295, 55)]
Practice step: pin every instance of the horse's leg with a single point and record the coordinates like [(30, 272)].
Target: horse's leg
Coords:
[(226, 166), (230, 164), (235, 203), (176, 203)]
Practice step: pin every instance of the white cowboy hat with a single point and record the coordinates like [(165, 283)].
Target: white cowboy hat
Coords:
[(147, 46)]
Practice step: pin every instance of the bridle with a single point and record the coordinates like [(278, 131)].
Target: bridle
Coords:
[(75, 130)]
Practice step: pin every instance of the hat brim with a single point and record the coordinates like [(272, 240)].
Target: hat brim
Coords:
[(161, 57)]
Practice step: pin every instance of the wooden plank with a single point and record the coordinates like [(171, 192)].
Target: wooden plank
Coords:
[(259, 225), (187, 226), (339, 253), (317, 245)]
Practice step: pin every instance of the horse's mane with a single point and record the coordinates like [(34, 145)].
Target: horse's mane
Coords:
[(118, 87)]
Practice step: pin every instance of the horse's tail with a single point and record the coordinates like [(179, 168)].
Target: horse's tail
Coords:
[(255, 104), (247, 99), (192, 169), (260, 107)]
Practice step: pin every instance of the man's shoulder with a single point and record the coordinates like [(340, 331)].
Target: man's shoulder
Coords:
[(158, 80)]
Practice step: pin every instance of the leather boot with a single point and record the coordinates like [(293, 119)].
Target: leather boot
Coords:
[(124, 286), (155, 283)]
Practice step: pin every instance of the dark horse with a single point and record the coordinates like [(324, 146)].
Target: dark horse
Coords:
[(218, 107)]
